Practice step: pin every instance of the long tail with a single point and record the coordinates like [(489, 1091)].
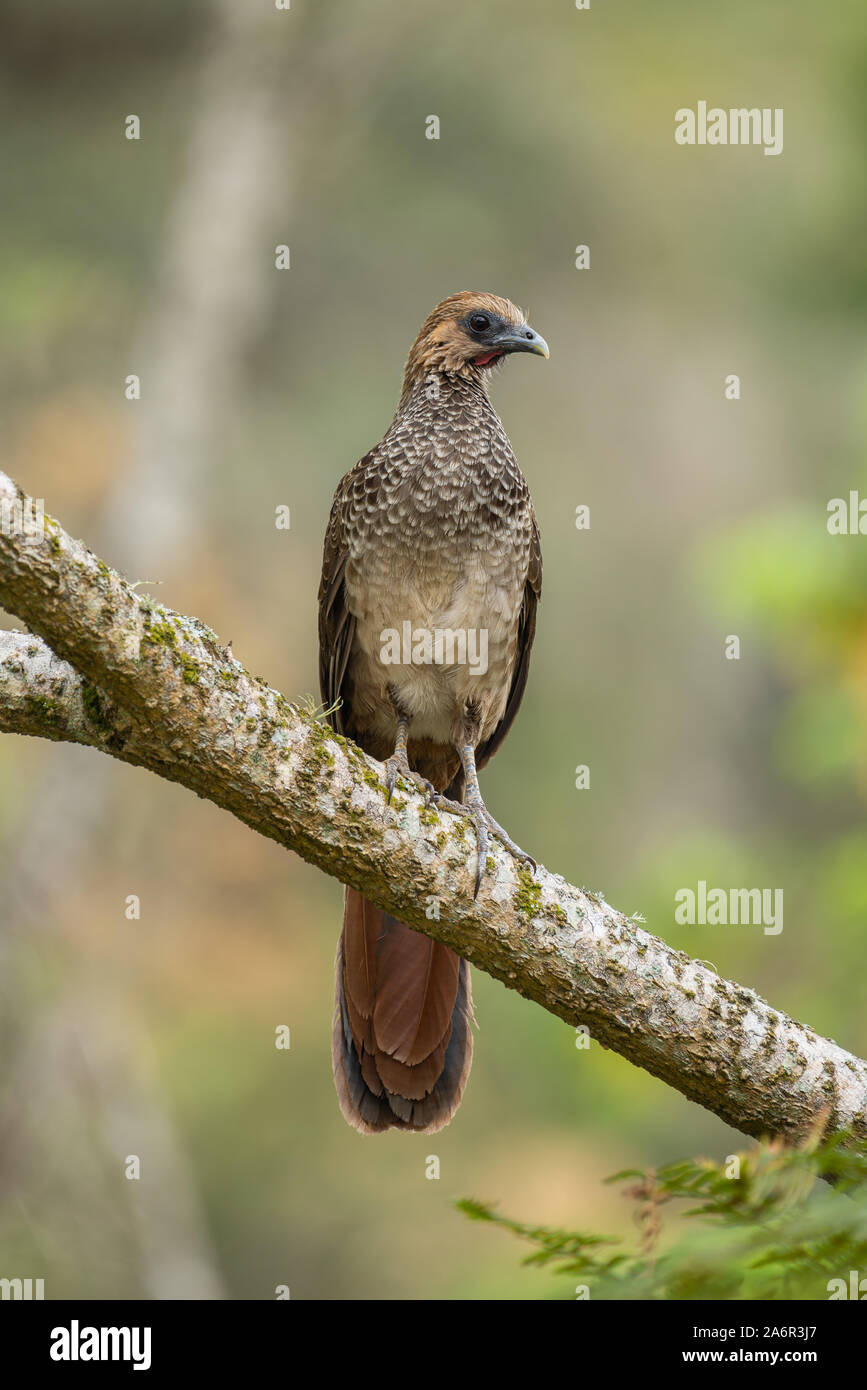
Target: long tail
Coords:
[(402, 1042)]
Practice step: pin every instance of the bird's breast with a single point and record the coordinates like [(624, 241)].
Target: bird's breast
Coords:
[(437, 610)]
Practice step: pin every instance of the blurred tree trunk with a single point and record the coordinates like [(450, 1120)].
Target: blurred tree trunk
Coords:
[(209, 308)]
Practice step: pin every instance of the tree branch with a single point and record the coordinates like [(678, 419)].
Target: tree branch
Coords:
[(120, 673)]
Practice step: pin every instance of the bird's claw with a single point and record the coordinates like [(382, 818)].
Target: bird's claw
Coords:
[(396, 766), (474, 809), (486, 826)]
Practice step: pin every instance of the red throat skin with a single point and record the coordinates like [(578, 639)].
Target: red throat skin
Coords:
[(486, 359)]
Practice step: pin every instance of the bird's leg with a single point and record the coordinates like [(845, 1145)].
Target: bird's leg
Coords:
[(482, 818), (398, 763)]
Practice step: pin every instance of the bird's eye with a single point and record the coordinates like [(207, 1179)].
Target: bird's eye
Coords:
[(479, 322)]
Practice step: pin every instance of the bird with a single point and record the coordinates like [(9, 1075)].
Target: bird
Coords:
[(433, 531)]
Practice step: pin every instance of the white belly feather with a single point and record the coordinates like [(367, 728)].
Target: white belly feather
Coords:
[(399, 603)]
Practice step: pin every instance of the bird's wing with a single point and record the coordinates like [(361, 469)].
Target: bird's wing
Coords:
[(526, 633), (336, 623)]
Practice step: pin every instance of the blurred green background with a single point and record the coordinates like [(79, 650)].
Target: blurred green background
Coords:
[(259, 388)]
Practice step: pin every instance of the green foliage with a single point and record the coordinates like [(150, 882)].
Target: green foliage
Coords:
[(761, 1225)]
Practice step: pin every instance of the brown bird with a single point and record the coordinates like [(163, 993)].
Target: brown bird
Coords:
[(432, 532)]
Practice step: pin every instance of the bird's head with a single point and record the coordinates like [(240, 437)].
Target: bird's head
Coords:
[(467, 334)]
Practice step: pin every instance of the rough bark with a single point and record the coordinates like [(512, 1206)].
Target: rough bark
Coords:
[(121, 673)]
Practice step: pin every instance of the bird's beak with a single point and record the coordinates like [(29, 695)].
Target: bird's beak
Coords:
[(524, 339)]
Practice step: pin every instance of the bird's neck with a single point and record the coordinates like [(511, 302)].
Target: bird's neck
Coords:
[(437, 390), (446, 428)]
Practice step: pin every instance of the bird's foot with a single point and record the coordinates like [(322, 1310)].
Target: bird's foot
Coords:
[(398, 766), (476, 810)]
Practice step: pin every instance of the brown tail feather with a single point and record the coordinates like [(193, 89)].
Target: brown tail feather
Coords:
[(402, 1042)]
